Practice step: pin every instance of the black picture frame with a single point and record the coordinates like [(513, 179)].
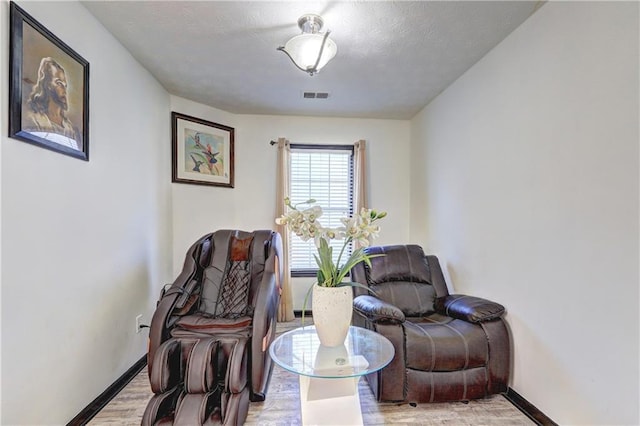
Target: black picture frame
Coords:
[(48, 89), (202, 152)]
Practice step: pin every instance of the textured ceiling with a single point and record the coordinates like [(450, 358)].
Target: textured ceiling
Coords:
[(393, 56)]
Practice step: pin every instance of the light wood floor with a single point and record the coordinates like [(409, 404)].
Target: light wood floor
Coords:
[(281, 406)]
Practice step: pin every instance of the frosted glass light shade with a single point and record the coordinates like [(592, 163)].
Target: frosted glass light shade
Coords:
[(304, 49)]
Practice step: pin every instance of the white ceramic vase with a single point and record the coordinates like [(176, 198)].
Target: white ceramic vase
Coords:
[(331, 309)]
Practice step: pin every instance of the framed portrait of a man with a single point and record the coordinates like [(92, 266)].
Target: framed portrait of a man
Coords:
[(48, 89)]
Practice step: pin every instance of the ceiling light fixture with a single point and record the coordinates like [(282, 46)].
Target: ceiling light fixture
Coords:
[(311, 50)]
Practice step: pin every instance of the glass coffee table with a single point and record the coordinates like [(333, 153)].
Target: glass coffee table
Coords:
[(329, 375)]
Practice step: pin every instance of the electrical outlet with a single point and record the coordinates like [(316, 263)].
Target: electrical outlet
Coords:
[(138, 323)]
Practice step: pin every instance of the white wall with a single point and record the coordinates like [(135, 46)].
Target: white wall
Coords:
[(528, 168), (251, 204), (85, 245), (198, 209)]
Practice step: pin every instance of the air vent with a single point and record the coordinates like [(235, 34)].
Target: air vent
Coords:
[(315, 95)]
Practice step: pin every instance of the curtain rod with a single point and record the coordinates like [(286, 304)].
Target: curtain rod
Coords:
[(322, 146)]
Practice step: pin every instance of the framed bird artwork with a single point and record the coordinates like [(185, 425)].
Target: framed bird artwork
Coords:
[(202, 151)]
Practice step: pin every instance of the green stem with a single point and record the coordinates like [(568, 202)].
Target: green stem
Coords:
[(335, 272)]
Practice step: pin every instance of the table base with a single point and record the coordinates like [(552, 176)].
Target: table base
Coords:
[(330, 401)]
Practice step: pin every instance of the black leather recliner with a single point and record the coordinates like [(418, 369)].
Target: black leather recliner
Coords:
[(210, 333), (447, 347)]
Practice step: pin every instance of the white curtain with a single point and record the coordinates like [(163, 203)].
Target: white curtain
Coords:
[(359, 178), (285, 310)]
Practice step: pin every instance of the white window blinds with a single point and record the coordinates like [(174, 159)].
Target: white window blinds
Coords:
[(324, 173)]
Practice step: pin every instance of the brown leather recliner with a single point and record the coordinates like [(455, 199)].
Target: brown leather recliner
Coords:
[(448, 347), (211, 330)]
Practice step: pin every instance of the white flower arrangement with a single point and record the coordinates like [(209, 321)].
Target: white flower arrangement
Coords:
[(361, 228)]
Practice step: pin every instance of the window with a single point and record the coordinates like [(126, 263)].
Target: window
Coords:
[(324, 173)]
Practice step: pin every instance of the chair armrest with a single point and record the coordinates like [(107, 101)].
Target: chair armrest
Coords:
[(265, 310), (469, 308), (377, 311)]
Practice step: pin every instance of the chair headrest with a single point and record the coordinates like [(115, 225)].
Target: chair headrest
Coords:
[(399, 263)]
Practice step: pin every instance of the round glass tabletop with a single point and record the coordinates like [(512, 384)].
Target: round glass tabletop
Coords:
[(299, 351)]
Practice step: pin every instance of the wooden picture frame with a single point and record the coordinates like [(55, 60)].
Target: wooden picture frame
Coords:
[(202, 151), (48, 89)]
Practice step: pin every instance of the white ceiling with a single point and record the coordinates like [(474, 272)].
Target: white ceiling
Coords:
[(393, 56)]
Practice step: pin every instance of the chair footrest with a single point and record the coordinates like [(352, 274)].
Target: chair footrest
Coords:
[(212, 388)]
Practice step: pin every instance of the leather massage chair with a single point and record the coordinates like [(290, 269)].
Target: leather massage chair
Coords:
[(209, 336)]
